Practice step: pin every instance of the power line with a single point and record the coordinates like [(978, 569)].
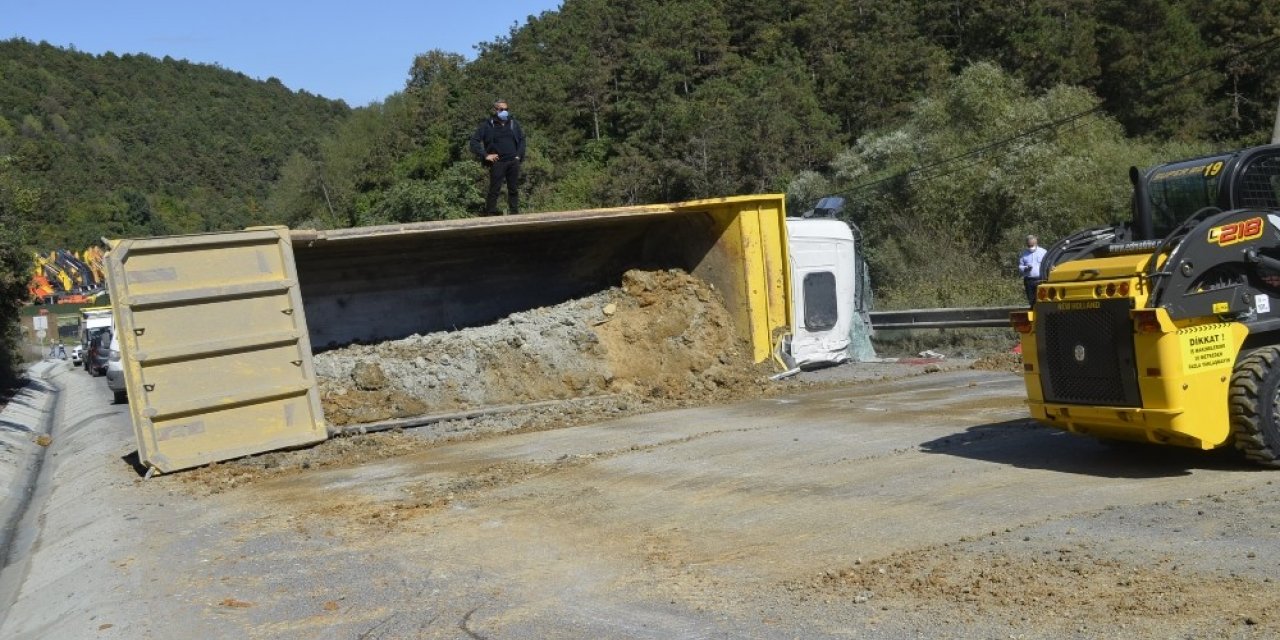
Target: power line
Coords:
[(979, 151), (976, 151)]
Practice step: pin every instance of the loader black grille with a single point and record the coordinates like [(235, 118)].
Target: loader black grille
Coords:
[(1086, 353), (1260, 184)]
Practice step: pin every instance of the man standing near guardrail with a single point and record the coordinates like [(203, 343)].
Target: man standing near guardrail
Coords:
[(1029, 265), (499, 144)]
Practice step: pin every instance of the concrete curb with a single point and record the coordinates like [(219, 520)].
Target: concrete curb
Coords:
[(24, 428)]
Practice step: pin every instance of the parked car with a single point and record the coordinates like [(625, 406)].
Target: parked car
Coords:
[(115, 372), (95, 359), (77, 355)]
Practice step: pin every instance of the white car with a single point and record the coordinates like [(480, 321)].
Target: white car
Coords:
[(77, 355), (115, 372)]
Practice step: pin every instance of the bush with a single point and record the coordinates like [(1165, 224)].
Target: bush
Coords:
[(944, 223)]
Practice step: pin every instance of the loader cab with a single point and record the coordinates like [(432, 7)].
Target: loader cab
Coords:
[(1249, 178)]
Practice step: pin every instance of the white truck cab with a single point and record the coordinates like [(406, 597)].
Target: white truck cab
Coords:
[(829, 292), (92, 320)]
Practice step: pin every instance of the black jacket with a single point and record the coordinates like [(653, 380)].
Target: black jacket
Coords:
[(490, 138)]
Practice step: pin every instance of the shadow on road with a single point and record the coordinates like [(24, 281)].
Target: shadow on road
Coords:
[(8, 425), (135, 462), (1027, 444), (27, 394)]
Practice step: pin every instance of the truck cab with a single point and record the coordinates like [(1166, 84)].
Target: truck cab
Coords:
[(829, 289), (95, 322)]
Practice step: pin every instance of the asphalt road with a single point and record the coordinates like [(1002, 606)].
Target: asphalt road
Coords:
[(925, 507)]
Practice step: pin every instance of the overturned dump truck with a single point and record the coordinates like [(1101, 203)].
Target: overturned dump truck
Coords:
[(217, 330)]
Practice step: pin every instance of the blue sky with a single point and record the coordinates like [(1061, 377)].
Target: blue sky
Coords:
[(356, 51)]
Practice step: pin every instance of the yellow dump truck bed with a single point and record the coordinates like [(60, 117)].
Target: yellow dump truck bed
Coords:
[(217, 330)]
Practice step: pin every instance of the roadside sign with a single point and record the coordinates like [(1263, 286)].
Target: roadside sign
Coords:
[(40, 323)]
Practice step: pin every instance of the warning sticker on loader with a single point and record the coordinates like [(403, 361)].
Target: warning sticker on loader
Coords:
[(1205, 348)]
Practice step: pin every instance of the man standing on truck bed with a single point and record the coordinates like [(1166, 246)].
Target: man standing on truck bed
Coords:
[(499, 144), (1029, 265)]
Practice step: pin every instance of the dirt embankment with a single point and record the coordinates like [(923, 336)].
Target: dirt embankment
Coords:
[(662, 337)]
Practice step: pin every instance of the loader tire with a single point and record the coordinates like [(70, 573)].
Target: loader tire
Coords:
[(1254, 406)]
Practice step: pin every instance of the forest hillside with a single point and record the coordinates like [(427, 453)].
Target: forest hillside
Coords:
[(952, 128)]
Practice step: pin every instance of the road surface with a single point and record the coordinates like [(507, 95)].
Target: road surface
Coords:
[(923, 507)]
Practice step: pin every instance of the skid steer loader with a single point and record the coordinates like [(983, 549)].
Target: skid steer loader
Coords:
[(1167, 329)]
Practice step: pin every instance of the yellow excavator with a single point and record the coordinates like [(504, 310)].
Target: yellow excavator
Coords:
[(53, 273), (1166, 329)]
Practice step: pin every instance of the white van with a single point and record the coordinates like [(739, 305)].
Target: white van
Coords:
[(115, 372)]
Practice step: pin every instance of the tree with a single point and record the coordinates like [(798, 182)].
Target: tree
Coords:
[(452, 194), (1042, 42), (1242, 107), (943, 221), (159, 139), (17, 203), (1148, 50), (869, 60)]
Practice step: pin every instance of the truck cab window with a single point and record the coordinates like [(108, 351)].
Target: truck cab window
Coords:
[(820, 309)]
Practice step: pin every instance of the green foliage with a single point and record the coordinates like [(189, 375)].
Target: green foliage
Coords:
[(134, 145), (950, 236), (1144, 43), (450, 194), (1044, 42), (1243, 104), (16, 207), (643, 101), (640, 101)]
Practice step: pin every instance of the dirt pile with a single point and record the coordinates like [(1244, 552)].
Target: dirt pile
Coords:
[(663, 337), (1011, 362)]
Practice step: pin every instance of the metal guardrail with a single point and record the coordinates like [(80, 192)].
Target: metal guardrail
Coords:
[(961, 318)]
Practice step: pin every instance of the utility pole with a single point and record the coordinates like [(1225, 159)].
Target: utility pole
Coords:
[(1275, 132)]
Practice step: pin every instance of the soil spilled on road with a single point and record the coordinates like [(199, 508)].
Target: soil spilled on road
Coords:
[(662, 339), (1057, 592), (662, 336), (1010, 362)]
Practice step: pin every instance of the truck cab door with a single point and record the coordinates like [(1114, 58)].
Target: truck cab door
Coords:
[(824, 286)]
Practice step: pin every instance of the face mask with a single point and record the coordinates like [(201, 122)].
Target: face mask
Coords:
[(504, 114)]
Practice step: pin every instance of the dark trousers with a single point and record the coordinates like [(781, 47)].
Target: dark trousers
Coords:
[(1030, 284), (503, 171)]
